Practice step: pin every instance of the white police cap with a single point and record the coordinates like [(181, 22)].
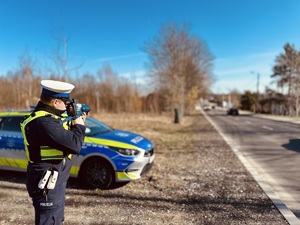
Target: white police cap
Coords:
[(56, 89)]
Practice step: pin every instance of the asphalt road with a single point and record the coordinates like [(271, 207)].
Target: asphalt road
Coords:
[(272, 148)]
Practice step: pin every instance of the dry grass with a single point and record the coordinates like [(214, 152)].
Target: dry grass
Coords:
[(196, 179)]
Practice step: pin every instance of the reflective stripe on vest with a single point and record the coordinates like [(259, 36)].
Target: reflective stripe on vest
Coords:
[(46, 152)]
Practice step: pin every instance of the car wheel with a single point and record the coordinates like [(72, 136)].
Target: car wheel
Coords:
[(97, 173)]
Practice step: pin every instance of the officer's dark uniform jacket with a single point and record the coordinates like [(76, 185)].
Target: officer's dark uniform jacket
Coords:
[(49, 145)]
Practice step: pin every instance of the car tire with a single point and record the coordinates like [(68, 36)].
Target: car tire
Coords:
[(96, 173)]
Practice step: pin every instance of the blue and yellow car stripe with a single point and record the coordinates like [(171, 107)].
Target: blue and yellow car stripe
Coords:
[(105, 142), (25, 113), (22, 164)]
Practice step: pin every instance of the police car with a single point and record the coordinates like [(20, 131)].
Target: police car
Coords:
[(109, 158)]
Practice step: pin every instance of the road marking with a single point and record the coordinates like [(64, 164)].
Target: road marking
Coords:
[(267, 128), (258, 176)]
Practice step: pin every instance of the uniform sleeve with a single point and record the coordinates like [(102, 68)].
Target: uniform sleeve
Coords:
[(56, 136)]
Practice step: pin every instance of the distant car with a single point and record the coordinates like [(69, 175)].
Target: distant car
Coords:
[(233, 111), (108, 159)]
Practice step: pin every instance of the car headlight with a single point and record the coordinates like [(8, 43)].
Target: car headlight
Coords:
[(126, 151)]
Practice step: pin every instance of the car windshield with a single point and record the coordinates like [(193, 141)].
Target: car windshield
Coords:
[(94, 127)]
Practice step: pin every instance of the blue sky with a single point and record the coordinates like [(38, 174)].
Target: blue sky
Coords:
[(244, 36)]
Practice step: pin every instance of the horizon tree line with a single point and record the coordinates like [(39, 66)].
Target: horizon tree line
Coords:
[(179, 67)]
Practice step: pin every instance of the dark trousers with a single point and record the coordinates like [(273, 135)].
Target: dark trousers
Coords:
[(49, 206)]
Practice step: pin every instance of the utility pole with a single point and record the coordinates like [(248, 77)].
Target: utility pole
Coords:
[(257, 82), (257, 91), (257, 85)]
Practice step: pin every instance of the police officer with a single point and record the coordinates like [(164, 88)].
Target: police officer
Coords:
[(50, 141)]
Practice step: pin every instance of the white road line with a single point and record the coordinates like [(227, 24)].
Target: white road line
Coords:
[(260, 179), (267, 128)]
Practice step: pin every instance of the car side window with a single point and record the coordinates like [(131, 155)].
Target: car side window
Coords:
[(10, 124)]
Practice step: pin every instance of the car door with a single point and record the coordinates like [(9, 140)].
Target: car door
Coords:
[(12, 152)]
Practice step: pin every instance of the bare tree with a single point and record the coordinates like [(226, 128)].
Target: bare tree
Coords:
[(107, 88), (287, 68), (20, 89), (7, 89), (25, 79), (61, 57), (180, 63)]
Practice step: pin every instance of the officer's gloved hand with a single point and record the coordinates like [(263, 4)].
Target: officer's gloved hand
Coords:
[(80, 119)]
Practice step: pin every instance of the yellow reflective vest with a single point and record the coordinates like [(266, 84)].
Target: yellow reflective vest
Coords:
[(46, 152)]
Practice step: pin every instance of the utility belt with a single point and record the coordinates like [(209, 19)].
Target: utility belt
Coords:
[(54, 160), (50, 176), (63, 161)]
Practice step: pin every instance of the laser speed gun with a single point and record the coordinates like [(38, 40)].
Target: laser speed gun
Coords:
[(76, 109)]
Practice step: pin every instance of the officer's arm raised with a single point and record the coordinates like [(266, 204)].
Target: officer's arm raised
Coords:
[(68, 141)]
